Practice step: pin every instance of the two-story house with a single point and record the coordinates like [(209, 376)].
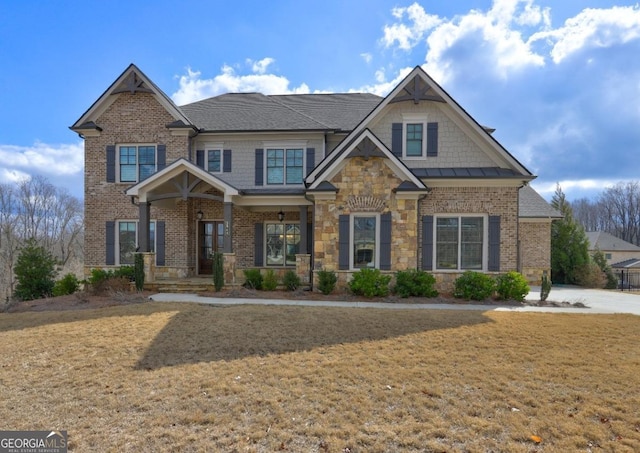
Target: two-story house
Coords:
[(337, 182)]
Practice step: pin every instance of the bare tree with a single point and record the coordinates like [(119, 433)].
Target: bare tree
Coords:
[(9, 239), (621, 205)]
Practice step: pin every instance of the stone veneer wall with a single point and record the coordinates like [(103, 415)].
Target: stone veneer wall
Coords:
[(365, 186), (131, 119), (535, 250)]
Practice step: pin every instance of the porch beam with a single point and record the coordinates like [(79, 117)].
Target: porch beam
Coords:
[(228, 228), (165, 196)]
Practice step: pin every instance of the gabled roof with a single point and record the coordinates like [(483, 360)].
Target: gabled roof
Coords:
[(418, 86), (236, 112), (366, 145), (626, 264), (132, 80), (609, 243), (532, 205)]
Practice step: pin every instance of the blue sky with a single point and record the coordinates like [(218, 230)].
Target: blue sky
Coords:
[(558, 79)]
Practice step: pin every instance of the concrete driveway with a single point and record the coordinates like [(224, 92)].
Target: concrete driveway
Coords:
[(597, 301)]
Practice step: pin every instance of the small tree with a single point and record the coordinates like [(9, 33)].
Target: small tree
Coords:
[(139, 271), (218, 271), (599, 258), (35, 272)]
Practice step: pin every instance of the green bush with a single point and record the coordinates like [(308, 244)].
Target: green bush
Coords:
[(218, 271), (415, 283), (252, 279), (138, 271), (270, 281), (590, 275), (69, 284), (35, 272), (291, 281), (119, 280), (327, 281), (545, 287), (512, 286), (128, 272), (369, 283), (474, 286)]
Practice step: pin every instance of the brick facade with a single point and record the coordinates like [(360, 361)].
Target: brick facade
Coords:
[(535, 249)]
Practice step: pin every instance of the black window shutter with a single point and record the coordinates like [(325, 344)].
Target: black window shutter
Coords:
[(226, 160), (110, 237), (427, 243), (343, 242), (432, 139), (259, 167), (162, 157), (311, 159), (200, 158), (258, 253), (111, 163), (385, 241), (160, 245), (396, 139), (494, 243)]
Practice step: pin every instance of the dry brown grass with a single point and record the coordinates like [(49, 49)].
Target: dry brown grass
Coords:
[(184, 377)]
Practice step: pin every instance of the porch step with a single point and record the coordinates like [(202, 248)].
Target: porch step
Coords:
[(180, 286)]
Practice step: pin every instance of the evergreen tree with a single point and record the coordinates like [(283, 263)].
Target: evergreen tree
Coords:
[(569, 243), (35, 272)]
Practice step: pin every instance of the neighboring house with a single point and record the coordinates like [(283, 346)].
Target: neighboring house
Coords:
[(618, 253), (337, 182)]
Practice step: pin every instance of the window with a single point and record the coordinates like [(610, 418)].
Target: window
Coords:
[(607, 256), (137, 162), (128, 241), (214, 160), (364, 249), (414, 143), (282, 243), (460, 243), (285, 165)]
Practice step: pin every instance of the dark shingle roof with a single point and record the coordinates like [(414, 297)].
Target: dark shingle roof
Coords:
[(609, 243), (259, 112), (531, 204)]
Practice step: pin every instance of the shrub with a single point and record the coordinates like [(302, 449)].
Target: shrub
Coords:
[(545, 288), (611, 281), (218, 271), (102, 281), (270, 281), (128, 272), (590, 275), (327, 281), (291, 280), (370, 283), (474, 285), (512, 286), (35, 272), (138, 274), (69, 284), (252, 279), (415, 283)]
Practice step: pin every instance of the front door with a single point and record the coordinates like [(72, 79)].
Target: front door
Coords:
[(211, 240)]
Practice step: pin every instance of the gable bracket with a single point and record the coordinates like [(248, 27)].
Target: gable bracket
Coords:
[(416, 94), (133, 85)]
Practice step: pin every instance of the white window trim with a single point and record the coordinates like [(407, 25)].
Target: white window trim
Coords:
[(117, 241), (265, 245), (206, 159), (137, 145), (376, 264), (412, 118), (485, 242), (284, 145)]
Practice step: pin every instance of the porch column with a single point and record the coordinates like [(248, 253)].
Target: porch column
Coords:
[(144, 243), (228, 227), (302, 249)]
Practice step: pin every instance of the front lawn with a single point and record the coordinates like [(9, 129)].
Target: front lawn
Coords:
[(186, 377)]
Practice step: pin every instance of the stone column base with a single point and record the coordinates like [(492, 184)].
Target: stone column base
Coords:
[(303, 268), (149, 266), (229, 268)]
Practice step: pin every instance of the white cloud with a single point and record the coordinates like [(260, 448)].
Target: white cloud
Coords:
[(41, 158), (408, 36), (194, 88), (367, 57), (592, 28)]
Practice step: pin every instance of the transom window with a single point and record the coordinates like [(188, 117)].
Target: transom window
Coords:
[(128, 240), (282, 243), (214, 160), (285, 165), (364, 249), (137, 162), (460, 242)]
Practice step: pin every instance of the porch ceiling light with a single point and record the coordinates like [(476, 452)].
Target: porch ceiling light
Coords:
[(200, 214), (281, 216)]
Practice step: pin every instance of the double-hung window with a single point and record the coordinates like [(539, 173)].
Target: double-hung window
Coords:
[(282, 243), (461, 242), (364, 241), (414, 128), (136, 162), (127, 237), (214, 160), (285, 165)]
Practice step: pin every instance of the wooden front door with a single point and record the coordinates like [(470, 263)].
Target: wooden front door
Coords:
[(211, 240)]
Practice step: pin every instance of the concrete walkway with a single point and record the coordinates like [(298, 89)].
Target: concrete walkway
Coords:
[(597, 301)]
